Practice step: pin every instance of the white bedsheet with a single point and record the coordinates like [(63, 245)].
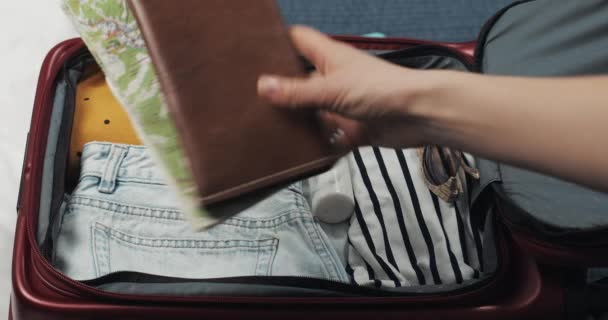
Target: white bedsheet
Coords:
[(28, 30)]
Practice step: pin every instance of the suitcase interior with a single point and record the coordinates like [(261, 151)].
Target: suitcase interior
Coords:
[(56, 182)]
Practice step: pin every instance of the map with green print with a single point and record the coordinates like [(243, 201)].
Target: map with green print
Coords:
[(111, 33)]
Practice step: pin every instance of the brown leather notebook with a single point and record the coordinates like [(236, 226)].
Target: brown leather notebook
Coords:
[(208, 55)]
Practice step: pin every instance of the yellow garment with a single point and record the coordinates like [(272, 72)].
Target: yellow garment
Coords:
[(98, 116)]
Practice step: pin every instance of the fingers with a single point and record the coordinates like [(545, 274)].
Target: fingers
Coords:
[(318, 48), (292, 92)]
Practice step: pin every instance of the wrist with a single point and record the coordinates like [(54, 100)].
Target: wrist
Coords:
[(433, 103)]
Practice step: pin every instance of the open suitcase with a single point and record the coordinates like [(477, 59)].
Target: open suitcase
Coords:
[(537, 268)]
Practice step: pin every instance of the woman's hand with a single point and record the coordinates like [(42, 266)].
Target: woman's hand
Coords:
[(367, 98), (553, 125)]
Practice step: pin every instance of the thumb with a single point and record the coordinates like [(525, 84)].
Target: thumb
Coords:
[(292, 92)]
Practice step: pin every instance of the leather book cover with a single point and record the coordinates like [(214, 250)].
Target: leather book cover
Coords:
[(208, 55)]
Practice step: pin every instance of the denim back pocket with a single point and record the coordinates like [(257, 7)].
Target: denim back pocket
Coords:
[(115, 251)]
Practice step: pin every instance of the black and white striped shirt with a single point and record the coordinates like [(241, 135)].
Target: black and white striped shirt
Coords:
[(402, 234)]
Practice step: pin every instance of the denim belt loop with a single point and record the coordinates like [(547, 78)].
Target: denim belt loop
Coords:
[(110, 173)]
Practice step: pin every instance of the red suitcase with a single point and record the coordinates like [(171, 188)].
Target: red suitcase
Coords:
[(533, 279)]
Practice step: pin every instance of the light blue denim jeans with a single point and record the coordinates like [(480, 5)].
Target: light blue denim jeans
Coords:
[(122, 217)]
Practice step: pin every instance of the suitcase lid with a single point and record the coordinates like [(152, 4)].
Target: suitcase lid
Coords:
[(547, 211)]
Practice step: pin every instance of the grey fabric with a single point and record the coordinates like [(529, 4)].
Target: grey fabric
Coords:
[(241, 289), (491, 258), (490, 174), (213, 289), (444, 20), (49, 161), (551, 38), (49, 155), (597, 274), (427, 62)]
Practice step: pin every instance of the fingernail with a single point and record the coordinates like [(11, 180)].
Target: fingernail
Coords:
[(335, 135), (268, 85), (340, 133)]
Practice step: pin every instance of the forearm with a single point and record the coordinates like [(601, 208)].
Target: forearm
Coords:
[(554, 126)]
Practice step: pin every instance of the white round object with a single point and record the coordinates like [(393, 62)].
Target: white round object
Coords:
[(332, 195)]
